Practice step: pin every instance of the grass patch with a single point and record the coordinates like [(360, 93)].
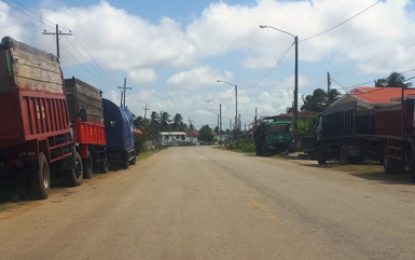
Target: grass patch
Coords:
[(147, 154), (242, 147)]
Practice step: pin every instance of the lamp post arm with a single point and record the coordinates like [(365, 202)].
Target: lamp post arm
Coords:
[(272, 27)]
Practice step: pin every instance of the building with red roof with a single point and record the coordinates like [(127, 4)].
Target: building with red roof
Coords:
[(369, 97)]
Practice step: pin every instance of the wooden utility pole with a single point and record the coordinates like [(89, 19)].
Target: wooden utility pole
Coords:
[(57, 34), (145, 112), (220, 122), (124, 88), (328, 82)]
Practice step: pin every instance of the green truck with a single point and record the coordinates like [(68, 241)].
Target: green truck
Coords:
[(273, 135)]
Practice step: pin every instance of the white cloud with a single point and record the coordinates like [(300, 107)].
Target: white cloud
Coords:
[(125, 42), (9, 25), (142, 75), (197, 78)]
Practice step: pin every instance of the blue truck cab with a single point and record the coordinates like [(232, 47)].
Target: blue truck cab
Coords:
[(119, 135)]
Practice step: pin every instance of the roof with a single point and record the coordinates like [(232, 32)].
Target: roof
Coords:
[(365, 98), (381, 95), (172, 133)]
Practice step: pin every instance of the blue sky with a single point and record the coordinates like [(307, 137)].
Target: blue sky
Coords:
[(172, 52)]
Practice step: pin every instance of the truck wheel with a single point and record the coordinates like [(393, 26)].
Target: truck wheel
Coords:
[(134, 160), (344, 155), (321, 156), (22, 184), (125, 163), (391, 165), (104, 166), (75, 175), (412, 165), (40, 179), (88, 166)]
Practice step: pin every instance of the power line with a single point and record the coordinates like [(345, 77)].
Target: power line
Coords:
[(278, 62), (88, 57), (39, 21), (380, 57), (29, 13), (340, 24)]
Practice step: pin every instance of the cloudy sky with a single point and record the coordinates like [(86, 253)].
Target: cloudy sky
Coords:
[(172, 52)]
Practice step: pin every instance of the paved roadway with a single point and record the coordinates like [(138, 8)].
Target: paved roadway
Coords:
[(205, 203)]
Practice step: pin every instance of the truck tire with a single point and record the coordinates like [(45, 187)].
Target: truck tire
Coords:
[(411, 163), (344, 155), (88, 166), (22, 184), (321, 156), (391, 165), (104, 167), (40, 179), (74, 176), (134, 160), (125, 163)]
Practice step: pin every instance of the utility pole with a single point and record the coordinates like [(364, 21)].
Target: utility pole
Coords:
[(295, 105), (328, 82), (124, 88), (57, 34), (145, 112), (122, 95), (236, 113), (220, 122), (256, 115)]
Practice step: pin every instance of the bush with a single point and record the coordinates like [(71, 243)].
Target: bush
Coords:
[(245, 146)]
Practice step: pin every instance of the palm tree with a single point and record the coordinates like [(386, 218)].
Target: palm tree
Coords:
[(315, 102), (394, 80), (332, 96), (165, 120), (178, 122)]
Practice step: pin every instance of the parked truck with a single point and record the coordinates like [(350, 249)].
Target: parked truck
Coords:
[(346, 133), (395, 127), (119, 135), (273, 135), (35, 137), (87, 121)]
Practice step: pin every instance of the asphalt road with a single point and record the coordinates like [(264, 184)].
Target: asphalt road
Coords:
[(205, 203)]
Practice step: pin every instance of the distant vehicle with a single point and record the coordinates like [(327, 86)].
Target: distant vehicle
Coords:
[(273, 135), (35, 140)]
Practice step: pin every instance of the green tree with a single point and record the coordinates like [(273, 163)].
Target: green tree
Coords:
[(315, 102), (394, 80), (205, 134), (332, 96), (319, 100), (178, 124), (164, 121)]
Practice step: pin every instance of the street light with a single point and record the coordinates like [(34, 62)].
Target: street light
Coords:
[(236, 106), (219, 119), (295, 105)]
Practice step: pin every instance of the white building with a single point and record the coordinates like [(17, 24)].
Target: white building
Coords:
[(176, 139)]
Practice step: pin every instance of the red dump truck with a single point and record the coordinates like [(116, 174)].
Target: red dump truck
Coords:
[(87, 121), (395, 127), (35, 136)]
